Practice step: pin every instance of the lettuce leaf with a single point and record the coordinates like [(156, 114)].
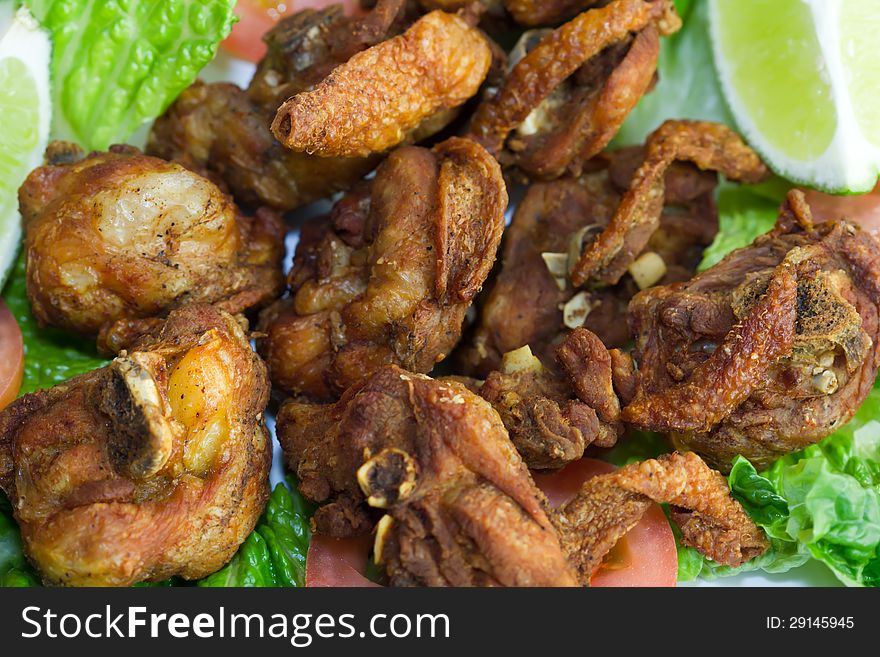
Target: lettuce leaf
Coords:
[(14, 568), (275, 552), (117, 65), (51, 355)]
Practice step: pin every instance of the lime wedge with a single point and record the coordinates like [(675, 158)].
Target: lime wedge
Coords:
[(802, 78), (25, 109)]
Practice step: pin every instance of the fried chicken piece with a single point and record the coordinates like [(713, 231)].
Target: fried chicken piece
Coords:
[(767, 352), (567, 96), (461, 508), (710, 146), (546, 12), (374, 101), (222, 131), (121, 235), (390, 278), (608, 506), (552, 418), (531, 302), (151, 467)]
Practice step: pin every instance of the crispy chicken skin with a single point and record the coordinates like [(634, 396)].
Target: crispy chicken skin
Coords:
[(153, 466), (546, 12), (374, 101), (710, 146), (532, 302), (390, 277), (222, 131), (608, 506), (434, 458), (566, 97), (552, 417), (123, 235), (767, 352), (460, 508)]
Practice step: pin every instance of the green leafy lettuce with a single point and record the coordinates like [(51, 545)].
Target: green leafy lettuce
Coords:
[(117, 65), (822, 502), (14, 568), (50, 355)]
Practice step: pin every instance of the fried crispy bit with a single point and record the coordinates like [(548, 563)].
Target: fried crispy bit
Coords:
[(390, 277), (532, 303), (708, 145), (552, 418), (222, 131), (371, 103), (473, 517), (566, 98), (545, 12), (769, 351), (121, 235), (153, 466), (608, 506)]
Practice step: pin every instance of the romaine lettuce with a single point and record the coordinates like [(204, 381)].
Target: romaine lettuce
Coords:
[(116, 65)]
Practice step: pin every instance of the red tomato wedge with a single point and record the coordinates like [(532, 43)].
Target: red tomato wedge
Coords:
[(646, 556), (11, 356), (337, 562), (864, 209), (256, 17)]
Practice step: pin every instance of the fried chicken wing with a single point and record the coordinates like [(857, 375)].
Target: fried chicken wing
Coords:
[(121, 235), (460, 507), (553, 417), (608, 506), (374, 101), (223, 131), (767, 352), (153, 466), (566, 97), (390, 277), (711, 146), (533, 303)]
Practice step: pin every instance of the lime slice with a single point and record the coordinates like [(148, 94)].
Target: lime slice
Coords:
[(25, 109), (802, 78)]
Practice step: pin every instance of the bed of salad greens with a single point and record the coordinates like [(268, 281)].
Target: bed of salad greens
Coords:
[(822, 503)]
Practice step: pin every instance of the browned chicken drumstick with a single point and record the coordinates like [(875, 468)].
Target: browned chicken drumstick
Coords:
[(390, 277), (533, 301), (153, 466), (428, 465), (568, 94), (119, 236), (770, 350)]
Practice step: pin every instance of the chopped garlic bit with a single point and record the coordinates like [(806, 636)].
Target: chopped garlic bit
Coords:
[(647, 269), (576, 311), (521, 360), (825, 381), (557, 265)]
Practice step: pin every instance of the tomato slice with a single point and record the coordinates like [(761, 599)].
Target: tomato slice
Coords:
[(337, 562), (256, 17), (864, 209), (11, 356), (646, 556)]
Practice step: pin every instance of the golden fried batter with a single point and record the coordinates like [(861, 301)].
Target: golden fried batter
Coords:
[(153, 466), (608, 506), (770, 350), (565, 99), (708, 145), (460, 507), (222, 131), (122, 235), (371, 103), (390, 277)]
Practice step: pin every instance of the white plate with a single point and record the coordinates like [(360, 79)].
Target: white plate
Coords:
[(226, 68)]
